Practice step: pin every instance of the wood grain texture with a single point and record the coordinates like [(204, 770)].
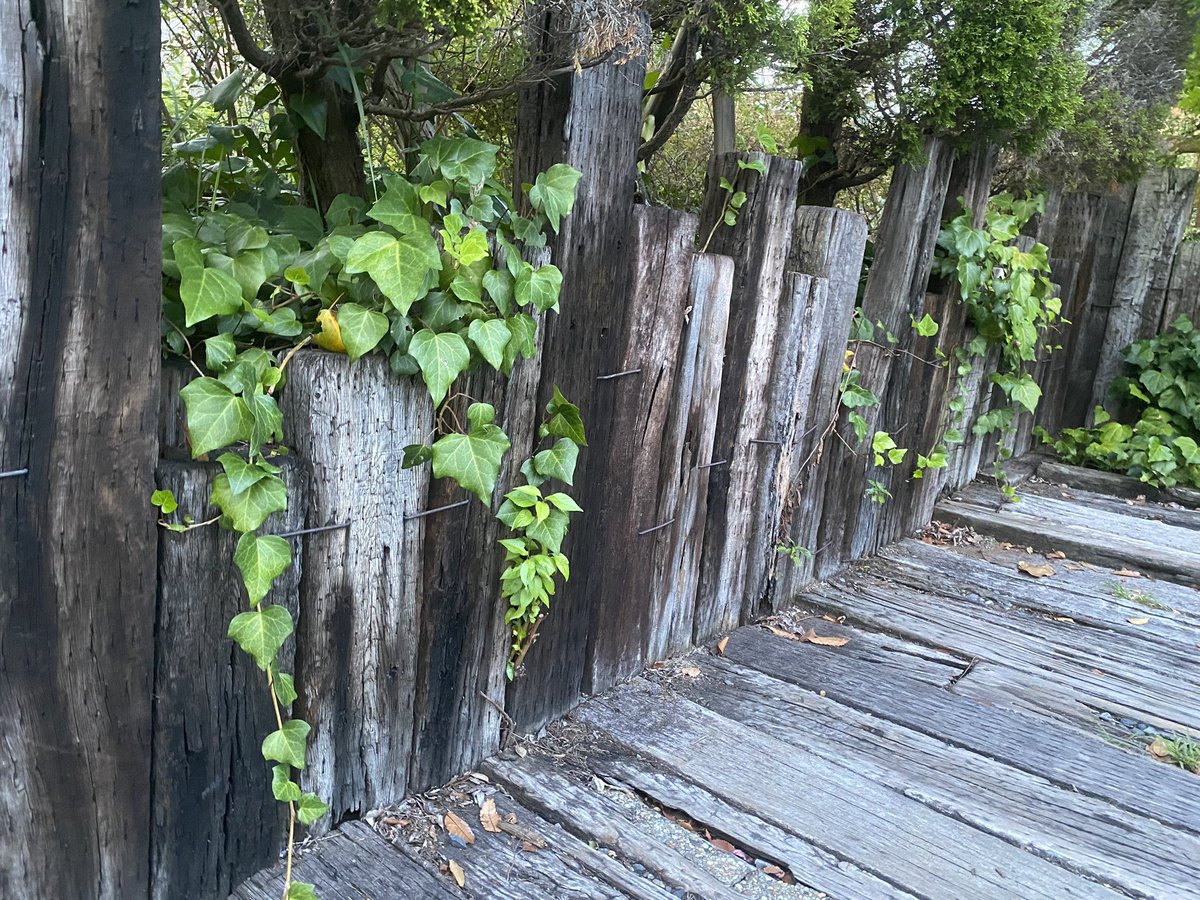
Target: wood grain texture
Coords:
[(359, 597), (592, 121), (634, 442), (828, 243), (1183, 290), (80, 202), (215, 820), (1116, 484), (760, 315), (688, 445), (825, 803), (1081, 762), (1161, 209), (1052, 372), (1107, 241), (1081, 834), (895, 292)]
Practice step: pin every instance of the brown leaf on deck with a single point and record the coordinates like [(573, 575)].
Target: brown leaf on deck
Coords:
[(529, 847), (1035, 570), (460, 877), (783, 633), (1056, 554), (690, 672), (721, 645), (489, 818), (722, 845), (1139, 620), (1127, 573), (773, 870), (1158, 748), (824, 640), (457, 827)]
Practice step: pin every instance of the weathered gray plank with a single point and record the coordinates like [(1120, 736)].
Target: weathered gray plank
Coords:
[(1161, 207), (688, 445), (1106, 240), (595, 820), (1081, 834), (215, 821), (895, 291), (1168, 514), (1051, 370), (900, 839), (1085, 764), (828, 243), (1183, 290), (352, 863), (358, 605), (759, 310), (657, 316), (592, 121), (1163, 551), (80, 238), (1115, 484)]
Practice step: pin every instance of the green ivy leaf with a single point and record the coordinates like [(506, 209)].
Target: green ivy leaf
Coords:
[(216, 417), (559, 461), (564, 502), (165, 501), (499, 285), (249, 509), (926, 327), (244, 475), (282, 786), (310, 808), (461, 158), (268, 420), (301, 890), (553, 192), (399, 266), (442, 357), (1027, 393), (540, 286), (523, 328), (219, 352), (550, 531), (261, 559), (285, 688), (564, 419), (399, 207), (261, 633), (362, 329), (204, 291), (473, 460), (288, 744), (415, 455), (490, 337)]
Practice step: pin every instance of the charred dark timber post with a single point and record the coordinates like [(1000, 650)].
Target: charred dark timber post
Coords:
[(80, 201)]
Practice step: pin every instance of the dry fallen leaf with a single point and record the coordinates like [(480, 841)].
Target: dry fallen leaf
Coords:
[(823, 640), (457, 871), (779, 632), (1036, 570), (489, 818), (529, 846), (1140, 620), (772, 870), (1056, 554), (1127, 573), (690, 672), (457, 827), (721, 644), (722, 845), (1064, 619), (1158, 747)]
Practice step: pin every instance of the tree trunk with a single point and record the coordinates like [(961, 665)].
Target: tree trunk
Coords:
[(724, 123), (819, 130), (79, 368), (334, 164)]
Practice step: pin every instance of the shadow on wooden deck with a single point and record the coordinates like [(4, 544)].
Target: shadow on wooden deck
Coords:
[(982, 733)]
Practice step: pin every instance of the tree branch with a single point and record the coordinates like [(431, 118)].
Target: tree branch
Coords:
[(231, 15)]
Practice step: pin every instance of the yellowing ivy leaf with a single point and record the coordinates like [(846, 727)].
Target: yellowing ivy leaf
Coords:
[(330, 337)]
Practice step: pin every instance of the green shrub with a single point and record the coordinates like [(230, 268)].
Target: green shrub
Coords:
[(1160, 442)]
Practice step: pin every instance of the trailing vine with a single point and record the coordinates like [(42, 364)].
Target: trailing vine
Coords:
[(433, 276)]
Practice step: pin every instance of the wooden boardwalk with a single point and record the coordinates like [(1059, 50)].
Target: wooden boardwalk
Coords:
[(981, 734)]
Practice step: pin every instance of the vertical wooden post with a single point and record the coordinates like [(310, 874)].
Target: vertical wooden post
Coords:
[(79, 264), (358, 630), (828, 243), (1162, 204), (592, 121), (1183, 291), (687, 458), (895, 292), (759, 310)]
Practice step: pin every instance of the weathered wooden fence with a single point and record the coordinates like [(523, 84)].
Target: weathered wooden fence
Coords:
[(709, 384)]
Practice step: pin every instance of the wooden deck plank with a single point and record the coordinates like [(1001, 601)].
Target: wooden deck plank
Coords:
[(1104, 674), (350, 864), (901, 840), (1164, 551), (1114, 484), (592, 818), (1079, 833), (1086, 597), (1061, 755), (1139, 507)]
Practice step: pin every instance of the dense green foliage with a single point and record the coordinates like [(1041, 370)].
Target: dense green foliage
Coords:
[(1159, 439)]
